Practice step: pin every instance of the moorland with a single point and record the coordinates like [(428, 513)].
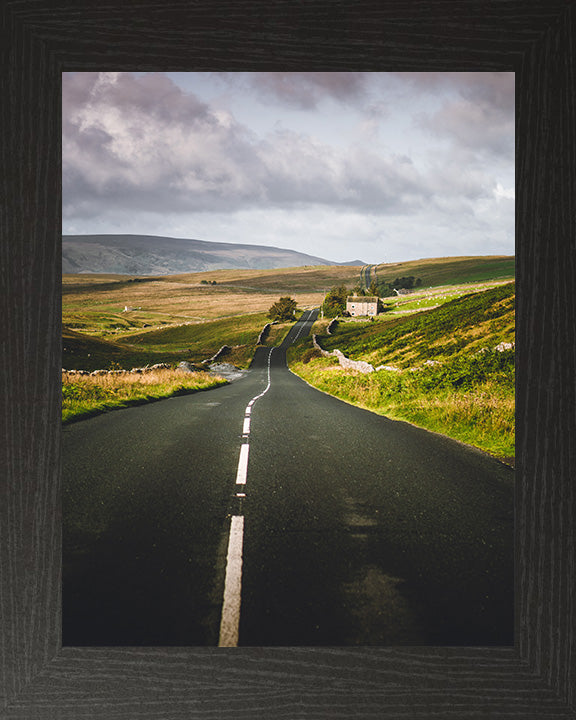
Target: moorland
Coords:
[(437, 340)]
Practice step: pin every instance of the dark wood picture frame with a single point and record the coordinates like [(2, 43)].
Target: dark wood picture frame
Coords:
[(534, 679)]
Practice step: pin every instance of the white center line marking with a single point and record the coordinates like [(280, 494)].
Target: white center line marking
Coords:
[(230, 621), (242, 465)]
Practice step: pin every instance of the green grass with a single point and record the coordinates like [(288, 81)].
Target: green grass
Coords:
[(84, 396), (468, 391), (87, 395), (463, 325), (449, 271), (203, 337), (427, 299), (202, 340), (194, 342), (83, 352)]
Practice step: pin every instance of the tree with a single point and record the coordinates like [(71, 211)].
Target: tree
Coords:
[(283, 309), (385, 290), (335, 301)]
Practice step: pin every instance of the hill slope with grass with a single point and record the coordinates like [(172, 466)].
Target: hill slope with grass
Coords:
[(192, 342), (445, 271), (460, 326), (449, 369), (84, 395)]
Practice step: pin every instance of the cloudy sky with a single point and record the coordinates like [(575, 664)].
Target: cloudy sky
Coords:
[(379, 167)]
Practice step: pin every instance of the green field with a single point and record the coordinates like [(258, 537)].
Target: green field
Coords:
[(449, 271), (194, 342), (462, 324), (96, 304)]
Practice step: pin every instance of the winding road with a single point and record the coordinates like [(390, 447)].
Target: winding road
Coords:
[(267, 513)]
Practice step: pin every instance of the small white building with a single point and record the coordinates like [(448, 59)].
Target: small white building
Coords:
[(362, 305)]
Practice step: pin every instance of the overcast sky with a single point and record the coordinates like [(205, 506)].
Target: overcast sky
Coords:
[(379, 167)]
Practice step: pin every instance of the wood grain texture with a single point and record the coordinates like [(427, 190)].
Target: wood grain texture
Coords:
[(535, 679)]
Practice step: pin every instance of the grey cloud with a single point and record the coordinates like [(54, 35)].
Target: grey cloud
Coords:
[(141, 144), (480, 117), (493, 88), (460, 177), (480, 127), (303, 90), (120, 149)]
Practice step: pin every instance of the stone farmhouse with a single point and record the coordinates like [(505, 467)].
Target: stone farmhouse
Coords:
[(363, 305)]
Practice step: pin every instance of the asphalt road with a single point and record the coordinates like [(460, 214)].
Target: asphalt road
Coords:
[(347, 528)]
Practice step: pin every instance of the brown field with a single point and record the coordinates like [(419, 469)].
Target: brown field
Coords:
[(95, 303), (308, 278)]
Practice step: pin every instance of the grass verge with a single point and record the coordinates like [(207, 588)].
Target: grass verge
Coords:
[(87, 395), (479, 412)]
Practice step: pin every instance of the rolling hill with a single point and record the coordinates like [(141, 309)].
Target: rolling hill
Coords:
[(462, 326), (156, 255), (445, 270), (116, 308)]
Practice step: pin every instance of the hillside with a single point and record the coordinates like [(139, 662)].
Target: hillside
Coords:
[(96, 304), (155, 255), (193, 342), (449, 369), (446, 270), (460, 326), (82, 352), (303, 279)]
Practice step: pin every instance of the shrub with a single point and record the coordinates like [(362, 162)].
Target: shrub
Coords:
[(335, 302), (283, 309)]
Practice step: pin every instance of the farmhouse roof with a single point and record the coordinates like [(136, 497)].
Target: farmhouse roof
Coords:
[(362, 298)]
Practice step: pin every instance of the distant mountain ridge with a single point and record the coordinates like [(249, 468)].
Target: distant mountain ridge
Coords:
[(157, 255)]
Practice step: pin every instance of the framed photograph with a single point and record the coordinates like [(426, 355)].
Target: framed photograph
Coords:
[(265, 513), (495, 673)]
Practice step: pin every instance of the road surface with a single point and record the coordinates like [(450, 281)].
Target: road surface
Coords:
[(267, 513)]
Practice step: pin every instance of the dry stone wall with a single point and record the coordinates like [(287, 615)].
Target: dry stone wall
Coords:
[(133, 371), (366, 367), (346, 363), (223, 351), (264, 334)]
